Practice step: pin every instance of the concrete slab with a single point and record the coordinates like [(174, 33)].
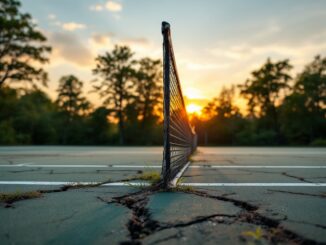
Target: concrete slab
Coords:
[(77, 216), (173, 207)]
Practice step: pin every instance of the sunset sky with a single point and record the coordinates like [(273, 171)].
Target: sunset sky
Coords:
[(216, 43)]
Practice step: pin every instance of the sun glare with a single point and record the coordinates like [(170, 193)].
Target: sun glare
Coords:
[(192, 93), (194, 109)]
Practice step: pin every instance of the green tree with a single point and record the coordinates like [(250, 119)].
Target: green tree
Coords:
[(304, 111), (225, 107), (116, 70), (21, 46), (34, 119), (100, 131), (8, 108), (73, 107), (263, 89), (149, 88), (8, 102), (295, 120), (263, 92), (70, 98), (312, 84), (147, 99), (225, 119)]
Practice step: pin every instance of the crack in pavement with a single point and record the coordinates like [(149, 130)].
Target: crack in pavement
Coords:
[(307, 223), (141, 224), (201, 219), (297, 177), (323, 195), (258, 171), (24, 171), (275, 231), (59, 221), (318, 177), (178, 235), (10, 198)]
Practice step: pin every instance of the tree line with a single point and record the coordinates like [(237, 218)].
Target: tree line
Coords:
[(130, 114), (282, 110), (130, 89)]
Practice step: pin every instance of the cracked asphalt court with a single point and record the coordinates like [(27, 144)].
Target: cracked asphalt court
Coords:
[(105, 195)]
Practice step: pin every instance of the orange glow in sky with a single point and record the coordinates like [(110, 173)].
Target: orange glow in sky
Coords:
[(222, 53), (194, 101), (192, 93), (194, 109)]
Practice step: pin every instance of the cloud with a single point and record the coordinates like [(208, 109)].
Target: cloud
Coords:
[(206, 66), (35, 21), (248, 51), (141, 46), (101, 42), (101, 39), (298, 41), (52, 16), (113, 6), (96, 7), (68, 47), (72, 26), (135, 41), (232, 52)]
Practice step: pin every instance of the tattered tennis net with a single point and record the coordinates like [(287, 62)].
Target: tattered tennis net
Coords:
[(180, 139)]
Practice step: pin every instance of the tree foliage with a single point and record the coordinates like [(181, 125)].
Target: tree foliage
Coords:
[(263, 89), (31, 117), (281, 110), (303, 112), (116, 70), (22, 46), (70, 98), (132, 93)]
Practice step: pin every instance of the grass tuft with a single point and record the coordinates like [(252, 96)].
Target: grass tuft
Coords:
[(153, 177), (10, 198), (256, 235), (184, 188)]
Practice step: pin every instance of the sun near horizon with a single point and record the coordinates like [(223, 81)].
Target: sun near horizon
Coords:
[(194, 101)]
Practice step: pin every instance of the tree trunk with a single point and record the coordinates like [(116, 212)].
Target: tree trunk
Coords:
[(121, 129), (121, 124)]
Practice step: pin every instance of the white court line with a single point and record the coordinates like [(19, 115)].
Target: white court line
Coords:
[(256, 184), (253, 166), (61, 183), (31, 165), (178, 176)]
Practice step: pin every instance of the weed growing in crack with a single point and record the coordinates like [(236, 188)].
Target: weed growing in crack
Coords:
[(10, 198), (257, 235), (153, 177), (184, 188)]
